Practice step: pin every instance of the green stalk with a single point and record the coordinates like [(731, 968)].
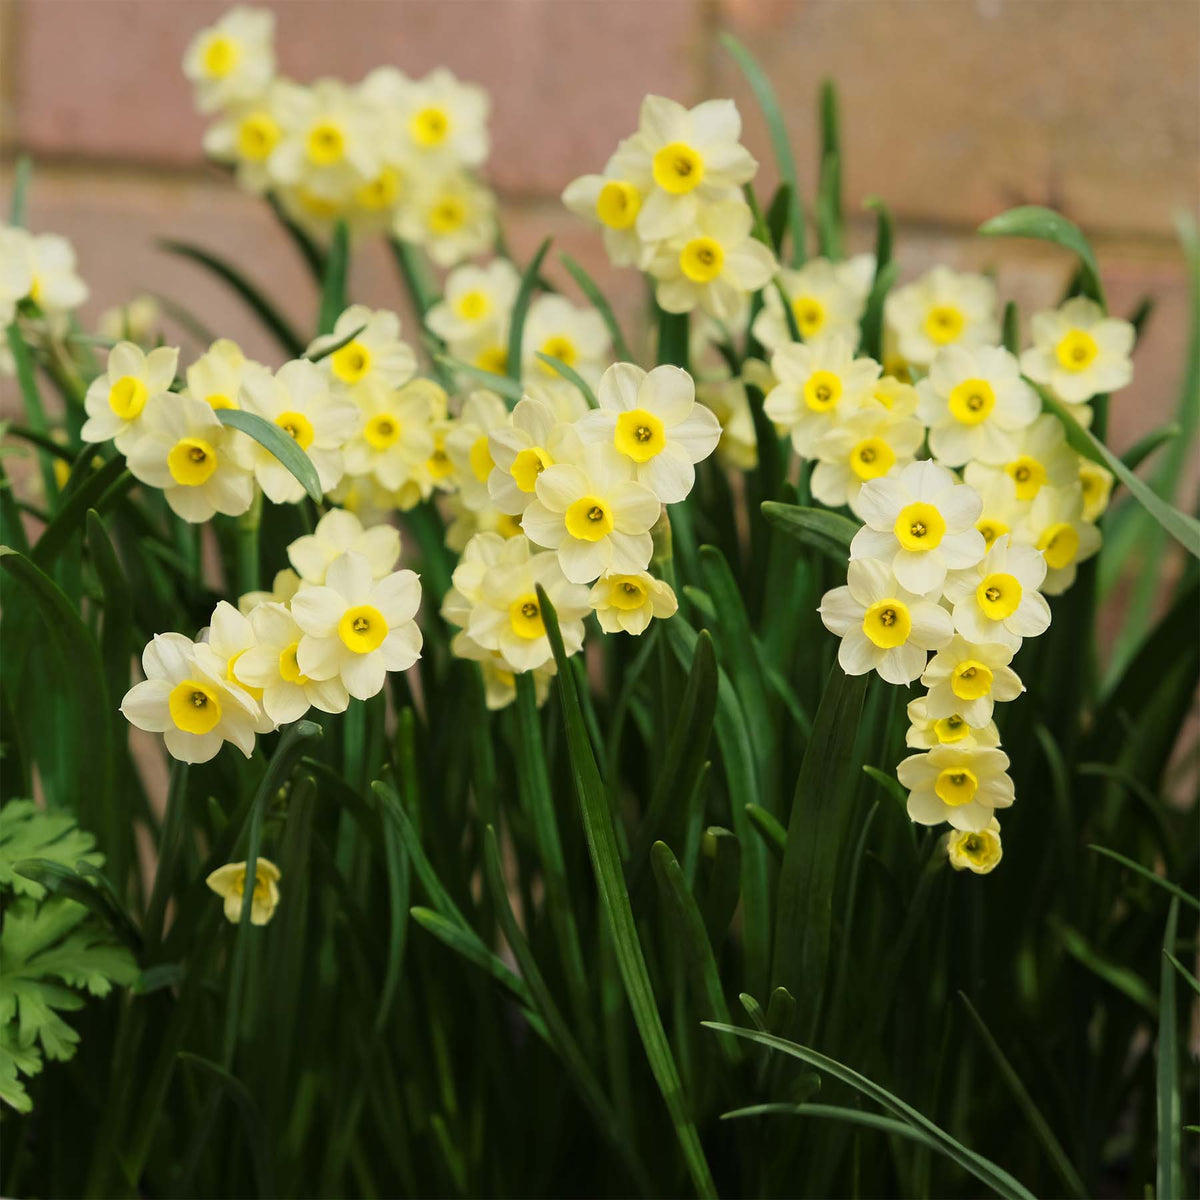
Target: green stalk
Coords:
[(248, 525), (169, 846)]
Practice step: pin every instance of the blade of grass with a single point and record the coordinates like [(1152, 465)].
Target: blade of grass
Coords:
[(333, 281), (589, 288), (1169, 1176), (520, 310), (829, 532), (571, 376), (614, 901), (1178, 892)]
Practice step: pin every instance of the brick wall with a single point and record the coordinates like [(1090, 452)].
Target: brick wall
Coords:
[(952, 110)]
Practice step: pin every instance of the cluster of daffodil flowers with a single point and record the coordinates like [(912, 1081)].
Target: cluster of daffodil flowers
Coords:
[(389, 153), (956, 549)]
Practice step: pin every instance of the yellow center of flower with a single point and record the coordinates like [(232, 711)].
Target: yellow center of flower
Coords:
[(351, 362), (971, 680), (438, 462), (919, 526), (525, 616), (362, 629), (316, 206), (220, 400), (810, 315), (1059, 544), (702, 259), (626, 592), (528, 465), (297, 426), (998, 595), (381, 192), (494, 359), (1028, 474), (944, 324), (221, 55), (617, 204), (509, 526), (473, 305), (956, 786), (589, 519), (446, 215), (257, 136), (127, 397), (194, 707), (678, 168), (872, 458), (35, 289), (887, 623), (326, 144), (991, 530), (950, 729), (382, 431), (430, 127), (289, 667), (191, 461), (978, 848), (561, 347), (639, 435), (481, 458), (822, 391), (231, 675), (971, 401), (1077, 351)]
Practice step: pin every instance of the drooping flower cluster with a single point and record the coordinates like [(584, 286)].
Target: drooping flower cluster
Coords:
[(330, 631), (669, 202), (955, 551), (389, 153)]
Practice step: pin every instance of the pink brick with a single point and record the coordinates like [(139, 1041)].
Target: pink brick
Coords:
[(956, 111), (566, 79)]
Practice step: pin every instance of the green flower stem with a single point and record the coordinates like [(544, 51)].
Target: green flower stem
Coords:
[(247, 545)]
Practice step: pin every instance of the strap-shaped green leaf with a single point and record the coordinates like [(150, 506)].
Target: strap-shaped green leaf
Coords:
[(1044, 224), (333, 283), (520, 310), (829, 532), (588, 286), (278, 443)]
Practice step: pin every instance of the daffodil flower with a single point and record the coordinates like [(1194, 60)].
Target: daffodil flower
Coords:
[(337, 532), (216, 376), (652, 420), (376, 356), (358, 628), (826, 298), (229, 882), (16, 270), (475, 306), (612, 201), (1040, 458), (966, 679), (452, 216), (872, 443), (962, 785), (1056, 526), (978, 852), (883, 626), (116, 400), (468, 445), (575, 336), (232, 60), (395, 436), (229, 636), (627, 603), (520, 452), (1078, 352), (942, 308), (920, 523), (997, 599), (924, 731)]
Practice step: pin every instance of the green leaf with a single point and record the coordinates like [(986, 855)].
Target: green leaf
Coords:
[(1040, 1126), (559, 1033), (333, 284), (510, 389), (765, 95), (411, 266), (1043, 224), (285, 448), (310, 252), (333, 347), (673, 338), (29, 832), (1146, 873), (1169, 1178), (271, 318), (829, 532), (1191, 979), (829, 188), (777, 217), (1128, 982), (1183, 528), (62, 880), (35, 412), (692, 939), (77, 501), (520, 310), (614, 902), (571, 376), (1144, 447), (988, 1173), (1010, 338), (804, 900), (771, 831), (20, 193), (588, 286)]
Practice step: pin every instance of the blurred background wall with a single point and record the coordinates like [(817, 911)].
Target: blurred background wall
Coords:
[(953, 110)]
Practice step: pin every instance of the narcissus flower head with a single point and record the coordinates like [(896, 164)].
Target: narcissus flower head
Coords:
[(246, 133), (819, 386), (452, 216), (1078, 352), (1096, 482), (1040, 458), (229, 882), (594, 514), (375, 356), (216, 376), (116, 400), (229, 635), (872, 443), (575, 336), (233, 60), (975, 404), (201, 465), (337, 533), (395, 435), (357, 627), (186, 697), (825, 297), (298, 399), (979, 852), (997, 599), (613, 201), (1055, 525), (468, 445), (925, 732), (921, 523), (966, 679), (475, 306), (942, 308), (627, 603), (883, 626), (521, 451), (653, 421), (713, 263), (963, 785)]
